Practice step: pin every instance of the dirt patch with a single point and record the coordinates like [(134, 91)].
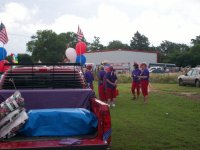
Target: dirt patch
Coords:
[(189, 95), (192, 96)]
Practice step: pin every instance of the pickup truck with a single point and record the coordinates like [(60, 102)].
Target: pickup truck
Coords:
[(46, 86)]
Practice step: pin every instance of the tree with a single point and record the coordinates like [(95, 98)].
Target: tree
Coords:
[(194, 55), (170, 47), (95, 45), (196, 40), (115, 44), (183, 59), (72, 39), (170, 52), (153, 48), (24, 58), (161, 57), (9, 58), (139, 42), (47, 46)]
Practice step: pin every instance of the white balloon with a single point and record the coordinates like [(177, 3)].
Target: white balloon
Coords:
[(71, 54)]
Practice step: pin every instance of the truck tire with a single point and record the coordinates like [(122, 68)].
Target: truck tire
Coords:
[(197, 83), (180, 82)]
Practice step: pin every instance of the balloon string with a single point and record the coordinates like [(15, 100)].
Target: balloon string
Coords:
[(80, 57), (3, 53)]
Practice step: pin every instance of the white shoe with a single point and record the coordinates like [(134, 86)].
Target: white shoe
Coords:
[(113, 105)]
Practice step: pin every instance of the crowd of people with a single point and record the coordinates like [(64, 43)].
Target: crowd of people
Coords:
[(107, 82)]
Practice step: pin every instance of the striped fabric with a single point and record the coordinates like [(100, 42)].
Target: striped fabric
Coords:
[(79, 34), (107, 134), (3, 34)]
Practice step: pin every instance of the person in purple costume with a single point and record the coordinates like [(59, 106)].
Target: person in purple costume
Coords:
[(111, 85), (89, 77), (101, 85), (144, 80), (135, 81)]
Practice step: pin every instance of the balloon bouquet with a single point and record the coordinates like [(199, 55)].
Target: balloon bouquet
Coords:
[(3, 61), (3, 54), (14, 58), (76, 55)]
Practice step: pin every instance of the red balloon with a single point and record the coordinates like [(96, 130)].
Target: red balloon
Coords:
[(81, 48), (2, 67)]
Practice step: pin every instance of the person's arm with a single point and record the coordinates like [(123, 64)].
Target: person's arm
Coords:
[(110, 82), (145, 75), (115, 83), (132, 74), (115, 80)]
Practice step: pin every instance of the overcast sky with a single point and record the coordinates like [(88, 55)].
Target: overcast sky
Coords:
[(173, 20)]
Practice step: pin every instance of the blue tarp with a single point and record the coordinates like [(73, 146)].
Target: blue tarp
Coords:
[(59, 122)]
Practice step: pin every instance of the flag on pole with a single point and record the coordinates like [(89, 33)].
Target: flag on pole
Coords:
[(79, 34), (3, 34)]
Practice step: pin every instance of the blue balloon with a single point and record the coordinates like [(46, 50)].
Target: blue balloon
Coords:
[(3, 53), (81, 59)]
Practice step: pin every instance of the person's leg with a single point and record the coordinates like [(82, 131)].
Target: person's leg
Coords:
[(104, 93), (101, 93), (138, 90), (133, 90), (144, 86), (113, 95), (108, 96), (109, 102)]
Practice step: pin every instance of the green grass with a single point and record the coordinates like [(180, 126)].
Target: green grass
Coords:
[(140, 126)]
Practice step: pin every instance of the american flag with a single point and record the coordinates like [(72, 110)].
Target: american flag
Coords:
[(79, 34), (3, 34)]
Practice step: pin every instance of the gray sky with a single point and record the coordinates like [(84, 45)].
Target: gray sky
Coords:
[(173, 20)]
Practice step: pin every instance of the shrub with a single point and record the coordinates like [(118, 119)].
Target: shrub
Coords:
[(154, 78), (124, 78), (164, 78)]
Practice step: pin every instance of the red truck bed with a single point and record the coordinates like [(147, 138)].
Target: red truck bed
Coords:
[(83, 98), (96, 144)]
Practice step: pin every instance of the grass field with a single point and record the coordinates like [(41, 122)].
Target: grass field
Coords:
[(168, 121)]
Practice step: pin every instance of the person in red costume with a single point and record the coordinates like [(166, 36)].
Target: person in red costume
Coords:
[(111, 85), (144, 80), (135, 81)]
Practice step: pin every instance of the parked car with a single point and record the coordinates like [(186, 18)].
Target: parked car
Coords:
[(46, 86), (156, 70), (190, 78)]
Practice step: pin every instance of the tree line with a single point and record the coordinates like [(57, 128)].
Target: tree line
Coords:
[(47, 46)]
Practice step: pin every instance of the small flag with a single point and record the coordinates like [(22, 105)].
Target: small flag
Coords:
[(79, 34), (3, 34)]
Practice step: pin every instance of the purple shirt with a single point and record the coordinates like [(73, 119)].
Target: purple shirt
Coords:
[(89, 77), (135, 74), (111, 76), (101, 76), (145, 72)]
